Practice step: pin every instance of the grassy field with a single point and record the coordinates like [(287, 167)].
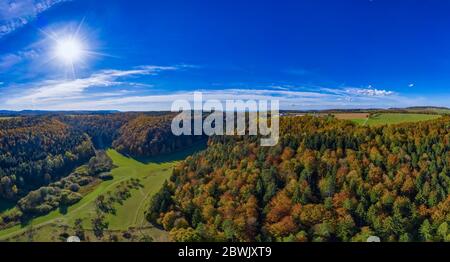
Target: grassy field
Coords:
[(152, 173), (392, 118), (360, 121), (56, 232)]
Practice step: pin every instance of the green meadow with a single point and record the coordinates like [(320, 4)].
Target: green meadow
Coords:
[(393, 118), (151, 172)]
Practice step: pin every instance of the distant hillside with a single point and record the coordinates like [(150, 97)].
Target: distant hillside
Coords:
[(44, 112), (416, 109), (440, 110)]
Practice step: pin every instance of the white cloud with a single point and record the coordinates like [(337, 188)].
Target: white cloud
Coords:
[(369, 92), (75, 94), (61, 90), (411, 85), (17, 13), (288, 100), (155, 68), (9, 60)]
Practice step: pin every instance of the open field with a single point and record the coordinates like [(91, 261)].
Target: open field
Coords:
[(359, 118), (55, 232), (385, 118), (130, 214), (389, 119)]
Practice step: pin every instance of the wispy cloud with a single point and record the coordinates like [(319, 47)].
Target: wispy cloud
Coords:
[(369, 92), (124, 93), (299, 100), (60, 90), (15, 14), (293, 100), (9, 60)]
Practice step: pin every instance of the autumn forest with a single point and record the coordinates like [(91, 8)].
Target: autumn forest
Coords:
[(328, 179)]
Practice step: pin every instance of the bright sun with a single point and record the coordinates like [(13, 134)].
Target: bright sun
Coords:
[(69, 50)]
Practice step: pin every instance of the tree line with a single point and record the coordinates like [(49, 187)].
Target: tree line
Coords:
[(35, 151), (326, 180), (60, 194)]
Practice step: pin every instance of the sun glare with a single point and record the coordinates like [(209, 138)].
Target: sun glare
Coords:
[(69, 50)]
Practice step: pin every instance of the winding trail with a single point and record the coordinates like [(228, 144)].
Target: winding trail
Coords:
[(153, 172), (23, 229)]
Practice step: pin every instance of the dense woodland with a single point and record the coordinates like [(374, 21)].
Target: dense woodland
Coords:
[(60, 194), (134, 134), (35, 151), (327, 180), (146, 136), (103, 129)]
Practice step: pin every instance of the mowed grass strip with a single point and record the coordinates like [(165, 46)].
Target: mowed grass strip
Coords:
[(152, 172), (358, 118), (360, 121), (151, 176)]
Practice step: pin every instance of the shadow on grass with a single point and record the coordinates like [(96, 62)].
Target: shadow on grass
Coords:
[(6, 205), (63, 209)]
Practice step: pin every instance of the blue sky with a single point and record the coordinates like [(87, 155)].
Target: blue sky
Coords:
[(142, 55)]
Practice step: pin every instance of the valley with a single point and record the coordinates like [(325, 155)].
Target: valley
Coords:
[(124, 177), (131, 214)]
